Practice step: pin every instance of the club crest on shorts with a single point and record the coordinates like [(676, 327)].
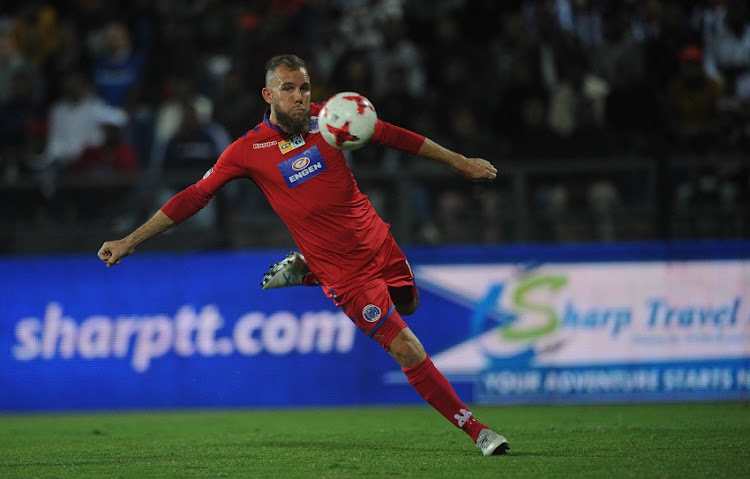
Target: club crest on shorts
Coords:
[(371, 313)]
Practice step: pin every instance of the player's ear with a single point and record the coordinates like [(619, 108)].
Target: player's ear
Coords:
[(267, 95)]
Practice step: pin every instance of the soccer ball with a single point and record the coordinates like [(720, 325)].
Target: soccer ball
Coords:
[(347, 120)]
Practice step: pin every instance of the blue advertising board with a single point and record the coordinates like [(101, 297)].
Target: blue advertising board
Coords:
[(588, 323)]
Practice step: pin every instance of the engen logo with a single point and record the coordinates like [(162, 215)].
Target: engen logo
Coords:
[(142, 339), (302, 167), (301, 163)]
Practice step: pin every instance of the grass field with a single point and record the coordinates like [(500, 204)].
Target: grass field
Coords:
[(639, 441)]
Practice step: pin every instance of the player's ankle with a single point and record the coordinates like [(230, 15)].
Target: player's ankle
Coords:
[(473, 428)]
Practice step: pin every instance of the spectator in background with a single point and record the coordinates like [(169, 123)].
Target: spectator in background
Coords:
[(553, 44), (518, 126), (193, 145), (18, 111), (693, 99), (353, 71), (633, 111), (727, 49), (118, 69), (588, 23), (325, 56), (12, 61), (35, 31), (708, 16), (456, 222), (577, 104), (75, 123), (512, 48), (618, 47), (234, 106), (667, 31), (576, 114), (71, 54), (526, 46), (360, 21), (397, 51), (697, 125), (114, 157), (531, 136), (179, 92), (727, 59)]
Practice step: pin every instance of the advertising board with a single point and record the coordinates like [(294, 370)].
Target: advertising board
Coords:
[(504, 324)]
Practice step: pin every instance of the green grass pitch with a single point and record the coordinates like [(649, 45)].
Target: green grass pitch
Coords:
[(702, 440)]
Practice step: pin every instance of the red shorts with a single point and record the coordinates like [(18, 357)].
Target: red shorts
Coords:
[(369, 297)]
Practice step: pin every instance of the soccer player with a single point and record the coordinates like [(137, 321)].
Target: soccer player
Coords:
[(345, 246)]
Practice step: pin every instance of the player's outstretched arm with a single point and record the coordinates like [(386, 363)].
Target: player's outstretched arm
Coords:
[(475, 169), (112, 252), (389, 135)]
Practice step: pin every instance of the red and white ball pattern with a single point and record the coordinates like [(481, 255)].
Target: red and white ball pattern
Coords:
[(347, 120)]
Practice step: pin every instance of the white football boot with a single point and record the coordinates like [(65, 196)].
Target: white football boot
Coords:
[(287, 272), (492, 443)]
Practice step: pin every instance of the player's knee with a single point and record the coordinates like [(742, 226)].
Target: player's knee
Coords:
[(406, 349), (406, 309)]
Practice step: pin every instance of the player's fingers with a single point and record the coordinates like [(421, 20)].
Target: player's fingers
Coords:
[(488, 172), (488, 176)]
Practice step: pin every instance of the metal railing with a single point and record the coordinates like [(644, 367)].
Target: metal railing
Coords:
[(651, 202)]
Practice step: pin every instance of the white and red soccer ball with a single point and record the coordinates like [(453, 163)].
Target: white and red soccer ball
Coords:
[(347, 120)]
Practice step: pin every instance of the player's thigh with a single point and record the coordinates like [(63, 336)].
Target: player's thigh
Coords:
[(371, 309), (399, 276)]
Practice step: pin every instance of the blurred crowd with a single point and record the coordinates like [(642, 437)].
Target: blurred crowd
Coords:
[(95, 90)]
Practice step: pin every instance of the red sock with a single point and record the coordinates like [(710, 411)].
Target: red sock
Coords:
[(310, 280), (430, 383)]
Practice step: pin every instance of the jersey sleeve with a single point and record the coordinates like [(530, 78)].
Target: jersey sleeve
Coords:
[(387, 134), (186, 203), (195, 197)]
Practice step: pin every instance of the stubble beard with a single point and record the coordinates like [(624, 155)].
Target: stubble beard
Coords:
[(293, 124)]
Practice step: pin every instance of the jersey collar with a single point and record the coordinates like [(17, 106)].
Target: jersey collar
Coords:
[(267, 121)]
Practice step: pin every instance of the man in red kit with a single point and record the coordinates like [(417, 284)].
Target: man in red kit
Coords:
[(345, 246)]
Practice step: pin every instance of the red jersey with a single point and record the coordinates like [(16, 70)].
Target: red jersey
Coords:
[(310, 186)]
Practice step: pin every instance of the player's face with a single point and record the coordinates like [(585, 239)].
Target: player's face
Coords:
[(288, 93)]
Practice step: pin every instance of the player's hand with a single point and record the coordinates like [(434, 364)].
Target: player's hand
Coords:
[(477, 169), (112, 252)]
